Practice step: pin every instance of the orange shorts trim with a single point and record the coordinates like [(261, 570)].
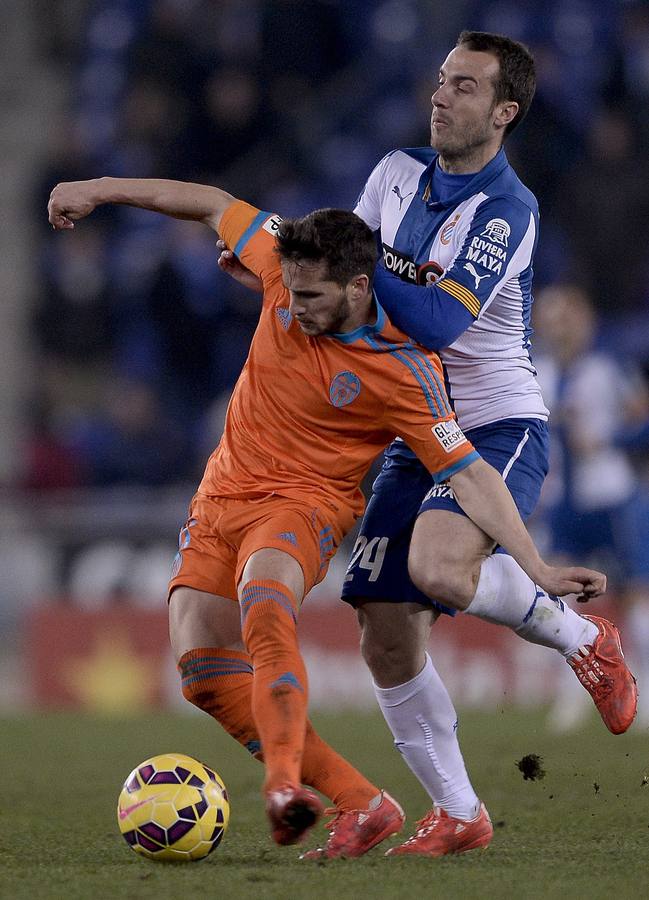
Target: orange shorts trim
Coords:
[(221, 534)]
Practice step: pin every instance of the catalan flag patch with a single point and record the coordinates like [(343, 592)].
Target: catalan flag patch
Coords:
[(462, 294)]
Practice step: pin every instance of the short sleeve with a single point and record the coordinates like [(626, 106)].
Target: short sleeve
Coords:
[(368, 205), (250, 234)]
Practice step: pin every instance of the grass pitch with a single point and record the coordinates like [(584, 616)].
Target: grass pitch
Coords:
[(581, 831)]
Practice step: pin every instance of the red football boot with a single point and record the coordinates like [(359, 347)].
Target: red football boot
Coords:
[(438, 834), (353, 832), (601, 669)]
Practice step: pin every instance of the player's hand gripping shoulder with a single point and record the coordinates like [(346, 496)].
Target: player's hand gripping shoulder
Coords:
[(231, 265)]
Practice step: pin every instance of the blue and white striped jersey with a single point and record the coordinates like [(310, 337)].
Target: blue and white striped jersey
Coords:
[(473, 251)]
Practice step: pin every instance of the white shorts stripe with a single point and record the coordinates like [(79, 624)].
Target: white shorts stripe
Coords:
[(517, 453)]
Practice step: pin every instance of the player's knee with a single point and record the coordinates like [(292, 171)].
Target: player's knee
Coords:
[(185, 624), (451, 585), (391, 658), (268, 622)]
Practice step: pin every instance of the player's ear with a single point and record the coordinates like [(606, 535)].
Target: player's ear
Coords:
[(359, 285), (505, 113)]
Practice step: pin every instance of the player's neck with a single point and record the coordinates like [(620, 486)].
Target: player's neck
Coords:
[(473, 160), (363, 313)]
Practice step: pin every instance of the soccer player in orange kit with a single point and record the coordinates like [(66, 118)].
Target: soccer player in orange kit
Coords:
[(328, 382)]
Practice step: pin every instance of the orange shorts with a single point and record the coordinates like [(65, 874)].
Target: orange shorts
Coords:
[(221, 534)]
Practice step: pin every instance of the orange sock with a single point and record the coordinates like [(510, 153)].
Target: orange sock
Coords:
[(219, 681), (332, 775), (279, 690)]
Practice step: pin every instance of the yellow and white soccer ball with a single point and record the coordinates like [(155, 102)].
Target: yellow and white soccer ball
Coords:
[(173, 808)]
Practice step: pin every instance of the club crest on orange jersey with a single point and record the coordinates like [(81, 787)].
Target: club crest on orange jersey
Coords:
[(344, 388)]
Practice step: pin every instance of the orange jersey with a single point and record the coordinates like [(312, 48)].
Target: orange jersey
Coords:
[(309, 415)]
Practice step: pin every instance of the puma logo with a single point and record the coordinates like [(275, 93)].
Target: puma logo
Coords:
[(478, 278), (397, 190)]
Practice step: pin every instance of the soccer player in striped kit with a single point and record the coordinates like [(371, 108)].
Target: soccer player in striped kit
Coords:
[(459, 231)]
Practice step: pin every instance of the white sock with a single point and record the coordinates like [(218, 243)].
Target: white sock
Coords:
[(507, 596), (423, 721)]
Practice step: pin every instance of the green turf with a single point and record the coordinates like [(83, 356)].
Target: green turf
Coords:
[(557, 837)]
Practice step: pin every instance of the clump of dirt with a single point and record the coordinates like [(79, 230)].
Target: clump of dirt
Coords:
[(531, 768)]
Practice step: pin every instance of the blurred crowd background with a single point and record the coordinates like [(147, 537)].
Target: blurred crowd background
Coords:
[(120, 342)]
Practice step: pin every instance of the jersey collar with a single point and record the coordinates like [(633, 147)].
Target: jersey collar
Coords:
[(477, 184), (365, 330)]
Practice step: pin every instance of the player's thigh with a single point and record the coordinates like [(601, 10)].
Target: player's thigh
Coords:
[(269, 564), (199, 619), (447, 547), (446, 552), (203, 607), (205, 561), (378, 567)]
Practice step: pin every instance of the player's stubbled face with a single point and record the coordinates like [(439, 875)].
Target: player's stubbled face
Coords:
[(463, 103), (318, 305)]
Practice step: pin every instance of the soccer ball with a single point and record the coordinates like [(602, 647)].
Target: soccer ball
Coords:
[(173, 808)]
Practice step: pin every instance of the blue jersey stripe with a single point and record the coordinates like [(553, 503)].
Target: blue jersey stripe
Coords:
[(432, 384), (432, 376), (396, 351), (254, 226), (426, 368)]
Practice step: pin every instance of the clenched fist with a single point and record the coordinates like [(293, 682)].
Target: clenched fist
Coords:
[(71, 200)]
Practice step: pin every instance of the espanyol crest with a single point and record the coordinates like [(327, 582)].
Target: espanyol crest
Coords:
[(344, 388)]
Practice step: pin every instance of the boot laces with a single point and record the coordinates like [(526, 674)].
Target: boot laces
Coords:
[(590, 673), (424, 826), (340, 818)]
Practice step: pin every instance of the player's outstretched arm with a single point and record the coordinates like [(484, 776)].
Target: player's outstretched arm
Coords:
[(484, 497), (74, 200)]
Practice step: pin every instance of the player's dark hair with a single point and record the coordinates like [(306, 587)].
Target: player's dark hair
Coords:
[(517, 78), (335, 236)]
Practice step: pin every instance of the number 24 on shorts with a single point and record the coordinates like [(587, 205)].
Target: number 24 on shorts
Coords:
[(369, 555)]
